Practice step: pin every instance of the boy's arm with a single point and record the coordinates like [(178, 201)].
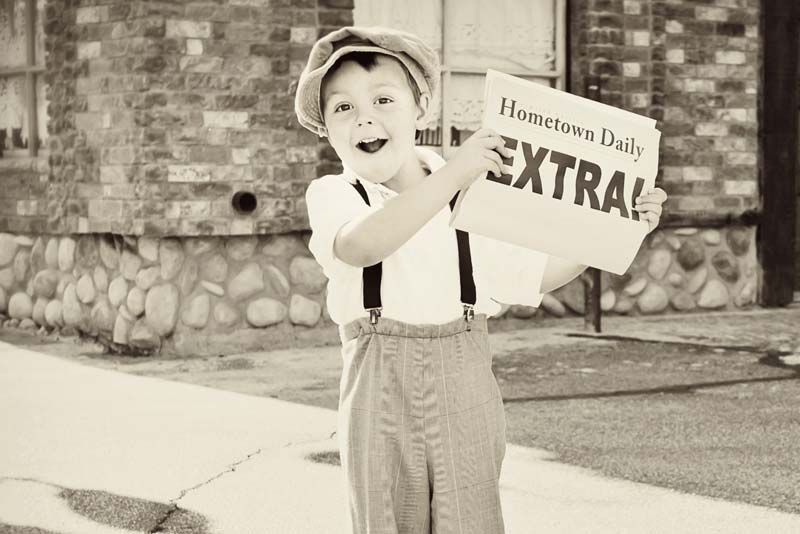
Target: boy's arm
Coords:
[(369, 240), (366, 241)]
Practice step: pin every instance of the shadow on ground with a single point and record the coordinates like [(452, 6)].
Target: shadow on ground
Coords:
[(89, 508)]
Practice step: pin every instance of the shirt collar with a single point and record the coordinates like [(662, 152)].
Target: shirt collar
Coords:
[(429, 159)]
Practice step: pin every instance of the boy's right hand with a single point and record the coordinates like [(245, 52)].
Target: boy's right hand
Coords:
[(483, 152)]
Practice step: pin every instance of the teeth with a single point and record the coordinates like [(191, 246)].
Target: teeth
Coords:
[(369, 139)]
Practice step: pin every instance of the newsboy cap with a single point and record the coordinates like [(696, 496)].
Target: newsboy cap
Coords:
[(421, 61)]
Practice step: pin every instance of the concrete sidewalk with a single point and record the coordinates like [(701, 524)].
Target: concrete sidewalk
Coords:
[(86, 450)]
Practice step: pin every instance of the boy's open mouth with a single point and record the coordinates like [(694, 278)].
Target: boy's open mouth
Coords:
[(371, 144)]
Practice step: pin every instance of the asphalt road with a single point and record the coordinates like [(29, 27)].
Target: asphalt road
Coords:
[(716, 422), (657, 414)]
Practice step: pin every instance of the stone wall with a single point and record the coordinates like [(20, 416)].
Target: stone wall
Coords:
[(206, 295), (194, 295), (676, 270)]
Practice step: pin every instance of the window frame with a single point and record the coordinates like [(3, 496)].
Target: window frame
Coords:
[(557, 75), (31, 70)]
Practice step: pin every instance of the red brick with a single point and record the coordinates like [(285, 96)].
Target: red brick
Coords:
[(336, 4), (155, 107), (335, 17)]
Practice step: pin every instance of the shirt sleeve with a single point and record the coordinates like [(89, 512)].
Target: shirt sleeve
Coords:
[(509, 274), (331, 202)]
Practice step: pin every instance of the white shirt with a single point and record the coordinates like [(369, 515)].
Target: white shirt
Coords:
[(420, 283)]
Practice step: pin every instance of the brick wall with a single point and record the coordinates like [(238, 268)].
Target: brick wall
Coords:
[(693, 66), (23, 201), (161, 111)]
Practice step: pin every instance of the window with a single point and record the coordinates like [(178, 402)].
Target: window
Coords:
[(22, 99), (521, 37)]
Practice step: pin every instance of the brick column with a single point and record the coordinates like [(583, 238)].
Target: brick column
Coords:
[(710, 129), (693, 67), (162, 112)]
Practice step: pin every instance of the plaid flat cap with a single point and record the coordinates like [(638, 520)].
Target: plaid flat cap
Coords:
[(420, 60)]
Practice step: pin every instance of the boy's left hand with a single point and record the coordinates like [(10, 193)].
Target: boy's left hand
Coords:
[(649, 206)]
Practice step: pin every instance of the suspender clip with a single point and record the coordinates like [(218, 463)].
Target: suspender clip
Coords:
[(469, 312), (374, 315)]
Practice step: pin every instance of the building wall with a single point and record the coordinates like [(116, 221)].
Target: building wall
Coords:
[(160, 112), (694, 67)]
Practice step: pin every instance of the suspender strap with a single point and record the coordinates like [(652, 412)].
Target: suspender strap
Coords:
[(464, 263), (371, 276)]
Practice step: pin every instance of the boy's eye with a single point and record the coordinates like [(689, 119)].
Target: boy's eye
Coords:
[(341, 107), (384, 100)]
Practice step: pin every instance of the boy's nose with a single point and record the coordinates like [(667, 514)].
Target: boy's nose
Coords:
[(364, 117)]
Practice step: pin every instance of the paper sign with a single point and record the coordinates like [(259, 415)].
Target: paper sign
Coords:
[(577, 167)]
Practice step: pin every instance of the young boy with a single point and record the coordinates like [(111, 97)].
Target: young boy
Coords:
[(421, 421)]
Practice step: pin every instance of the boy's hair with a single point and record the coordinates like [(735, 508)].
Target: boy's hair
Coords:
[(367, 61)]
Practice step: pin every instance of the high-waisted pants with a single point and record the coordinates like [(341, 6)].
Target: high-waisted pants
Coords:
[(421, 428)]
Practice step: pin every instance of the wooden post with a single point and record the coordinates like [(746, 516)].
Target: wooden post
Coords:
[(592, 314), (778, 109)]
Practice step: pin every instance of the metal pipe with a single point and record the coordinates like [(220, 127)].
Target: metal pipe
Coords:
[(30, 77)]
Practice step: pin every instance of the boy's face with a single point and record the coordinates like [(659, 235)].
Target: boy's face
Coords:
[(372, 118)]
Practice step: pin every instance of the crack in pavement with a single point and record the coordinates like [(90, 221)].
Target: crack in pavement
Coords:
[(231, 468), (159, 526), (173, 502), (309, 441)]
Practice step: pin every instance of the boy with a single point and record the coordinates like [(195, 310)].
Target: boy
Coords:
[(421, 421)]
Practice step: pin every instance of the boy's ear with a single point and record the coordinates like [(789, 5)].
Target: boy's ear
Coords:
[(422, 109)]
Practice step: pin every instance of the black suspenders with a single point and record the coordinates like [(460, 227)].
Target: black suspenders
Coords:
[(465, 270), (371, 276)]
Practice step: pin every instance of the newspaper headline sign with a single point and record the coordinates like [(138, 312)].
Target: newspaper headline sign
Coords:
[(577, 168)]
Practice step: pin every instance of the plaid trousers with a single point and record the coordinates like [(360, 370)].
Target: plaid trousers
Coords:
[(421, 428)]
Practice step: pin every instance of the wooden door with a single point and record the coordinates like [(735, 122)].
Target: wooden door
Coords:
[(797, 178), (778, 234), (796, 204)]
